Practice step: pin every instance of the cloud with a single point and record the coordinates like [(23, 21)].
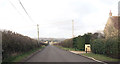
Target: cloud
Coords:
[(55, 16)]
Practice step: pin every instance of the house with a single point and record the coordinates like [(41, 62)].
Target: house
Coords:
[(112, 28)]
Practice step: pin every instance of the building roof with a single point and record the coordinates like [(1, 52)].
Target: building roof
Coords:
[(116, 21)]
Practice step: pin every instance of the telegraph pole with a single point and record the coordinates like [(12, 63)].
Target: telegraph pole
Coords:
[(72, 28), (38, 33)]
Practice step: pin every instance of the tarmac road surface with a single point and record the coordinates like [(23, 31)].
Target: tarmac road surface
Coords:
[(54, 54)]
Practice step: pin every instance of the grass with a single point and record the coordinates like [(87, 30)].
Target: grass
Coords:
[(70, 49), (100, 57), (20, 57)]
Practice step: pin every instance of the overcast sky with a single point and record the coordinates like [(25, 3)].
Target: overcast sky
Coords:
[(55, 16)]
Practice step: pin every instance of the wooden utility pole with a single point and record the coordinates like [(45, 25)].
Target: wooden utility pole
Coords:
[(72, 28), (38, 32)]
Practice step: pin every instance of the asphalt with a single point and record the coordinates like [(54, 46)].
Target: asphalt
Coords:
[(54, 54)]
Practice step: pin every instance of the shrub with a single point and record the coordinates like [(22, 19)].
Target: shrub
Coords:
[(108, 47), (97, 46), (111, 47)]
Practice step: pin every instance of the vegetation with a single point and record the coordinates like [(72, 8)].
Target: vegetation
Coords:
[(108, 47), (99, 44), (77, 43), (20, 57), (65, 48), (14, 44), (99, 57), (68, 43)]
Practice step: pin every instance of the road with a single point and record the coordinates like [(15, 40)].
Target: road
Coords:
[(54, 54)]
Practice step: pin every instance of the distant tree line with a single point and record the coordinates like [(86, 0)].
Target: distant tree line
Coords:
[(14, 43), (66, 43)]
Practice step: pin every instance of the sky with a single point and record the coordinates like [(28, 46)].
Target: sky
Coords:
[(55, 16)]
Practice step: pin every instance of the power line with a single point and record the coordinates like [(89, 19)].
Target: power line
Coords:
[(30, 19), (14, 7), (25, 11), (27, 15)]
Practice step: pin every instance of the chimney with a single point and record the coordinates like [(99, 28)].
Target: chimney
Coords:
[(110, 14)]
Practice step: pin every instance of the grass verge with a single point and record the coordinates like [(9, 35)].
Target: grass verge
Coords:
[(69, 49), (21, 56), (100, 57)]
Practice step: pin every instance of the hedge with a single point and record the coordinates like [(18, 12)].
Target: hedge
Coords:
[(108, 47), (14, 43)]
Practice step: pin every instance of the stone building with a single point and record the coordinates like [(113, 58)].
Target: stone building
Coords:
[(112, 27)]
